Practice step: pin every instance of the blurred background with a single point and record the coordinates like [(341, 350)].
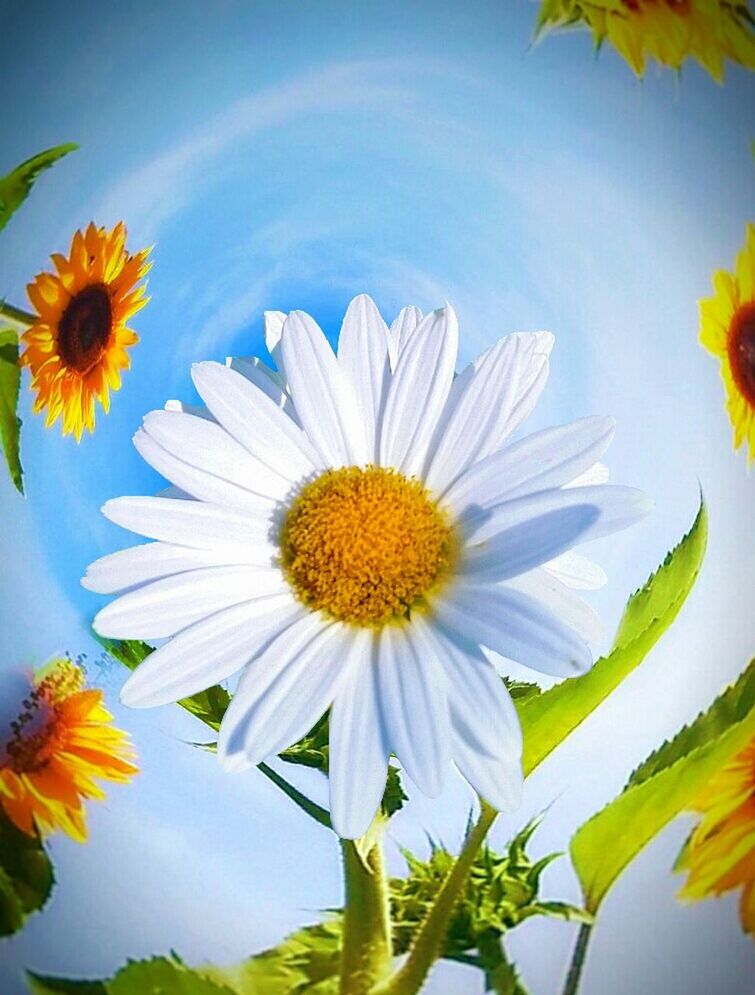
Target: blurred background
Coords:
[(291, 155)]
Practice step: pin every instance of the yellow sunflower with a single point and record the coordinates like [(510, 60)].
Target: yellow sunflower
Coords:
[(61, 740), (669, 31), (727, 330), (77, 345), (720, 854)]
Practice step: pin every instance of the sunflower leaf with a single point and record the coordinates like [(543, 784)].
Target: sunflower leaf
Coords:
[(10, 423), (40, 984), (663, 786), (548, 718), (16, 186), (26, 877)]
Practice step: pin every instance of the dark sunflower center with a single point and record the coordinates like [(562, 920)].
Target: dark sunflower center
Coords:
[(84, 329), (742, 351)]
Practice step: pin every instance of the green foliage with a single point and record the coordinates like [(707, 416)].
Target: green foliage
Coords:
[(305, 962), (10, 423), (548, 718), (501, 892), (663, 786), (16, 186), (26, 877)]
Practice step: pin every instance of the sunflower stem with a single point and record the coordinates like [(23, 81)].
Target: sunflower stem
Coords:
[(571, 985), (16, 314), (428, 945), (366, 954)]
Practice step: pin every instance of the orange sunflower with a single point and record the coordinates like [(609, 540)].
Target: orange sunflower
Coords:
[(720, 854), (61, 740), (77, 345)]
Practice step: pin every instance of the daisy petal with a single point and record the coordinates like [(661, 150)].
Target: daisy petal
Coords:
[(267, 380), (322, 396), (151, 561), (564, 604), (363, 357), (516, 626), (597, 474), (207, 486), (528, 544), (274, 321), (418, 392), (286, 689), (482, 712), (403, 328), (190, 523), (480, 413), (358, 751), (253, 418), (207, 652), (414, 705), (577, 572), (618, 507), (546, 459), (499, 780), (164, 607)]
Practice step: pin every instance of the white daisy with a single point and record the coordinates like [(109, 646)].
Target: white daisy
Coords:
[(361, 536)]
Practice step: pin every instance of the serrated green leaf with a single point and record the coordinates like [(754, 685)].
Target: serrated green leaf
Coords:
[(10, 423), (26, 877), (608, 842), (16, 186), (163, 976), (550, 717)]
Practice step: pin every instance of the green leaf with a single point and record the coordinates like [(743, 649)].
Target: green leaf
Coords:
[(663, 786), (10, 423), (308, 962), (16, 186), (548, 718), (40, 984), (26, 877), (163, 976)]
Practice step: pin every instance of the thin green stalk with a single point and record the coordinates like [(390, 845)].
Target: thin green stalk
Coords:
[(428, 944), (16, 314), (366, 954), (571, 985), (313, 810)]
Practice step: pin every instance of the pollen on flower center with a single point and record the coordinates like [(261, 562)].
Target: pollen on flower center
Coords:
[(85, 327), (365, 544), (33, 730)]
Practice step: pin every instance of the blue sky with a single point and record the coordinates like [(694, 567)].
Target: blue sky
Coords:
[(283, 155)]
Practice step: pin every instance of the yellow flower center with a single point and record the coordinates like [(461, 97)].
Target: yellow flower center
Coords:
[(84, 327), (34, 730), (365, 545)]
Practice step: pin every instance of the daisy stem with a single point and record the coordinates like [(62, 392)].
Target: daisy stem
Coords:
[(571, 986), (428, 945), (16, 314), (366, 954)]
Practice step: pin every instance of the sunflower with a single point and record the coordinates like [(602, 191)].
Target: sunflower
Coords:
[(727, 330), (77, 345), (669, 31), (361, 533), (60, 741), (720, 854)]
